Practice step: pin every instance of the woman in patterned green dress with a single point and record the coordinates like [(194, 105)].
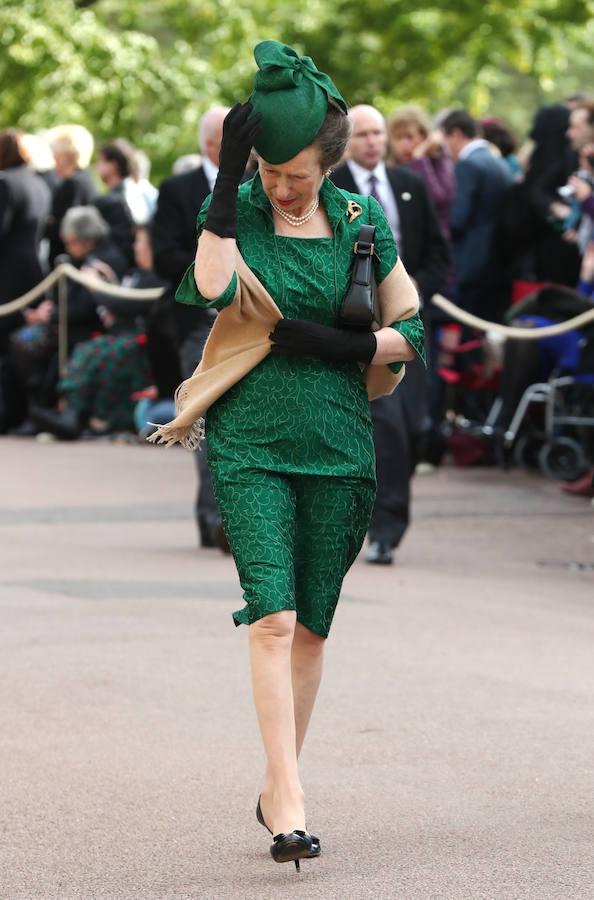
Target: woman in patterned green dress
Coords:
[(290, 444)]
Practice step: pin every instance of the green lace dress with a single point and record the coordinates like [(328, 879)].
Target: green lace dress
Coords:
[(290, 446)]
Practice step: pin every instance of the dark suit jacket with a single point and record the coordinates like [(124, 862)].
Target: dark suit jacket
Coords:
[(482, 182), (422, 247), (173, 235), (24, 208), (174, 223), (79, 190)]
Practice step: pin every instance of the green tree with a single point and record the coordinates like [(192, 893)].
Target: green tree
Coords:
[(147, 69), (61, 64)]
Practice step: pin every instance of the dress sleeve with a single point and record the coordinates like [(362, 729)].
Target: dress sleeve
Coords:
[(412, 329), (387, 251), (188, 292)]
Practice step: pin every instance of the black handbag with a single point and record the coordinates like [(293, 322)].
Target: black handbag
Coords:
[(358, 307)]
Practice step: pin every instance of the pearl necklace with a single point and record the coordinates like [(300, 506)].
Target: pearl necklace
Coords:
[(296, 221)]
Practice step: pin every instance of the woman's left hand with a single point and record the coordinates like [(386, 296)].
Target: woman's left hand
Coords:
[(299, 337)]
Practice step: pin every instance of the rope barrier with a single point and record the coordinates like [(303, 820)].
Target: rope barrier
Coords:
[(21, 302), (113, 290), (508, 331), (66, 270)]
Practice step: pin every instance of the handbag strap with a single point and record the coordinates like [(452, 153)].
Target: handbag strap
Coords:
[(364, 251), (364, 245)]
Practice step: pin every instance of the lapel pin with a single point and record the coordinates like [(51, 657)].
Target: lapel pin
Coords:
[(353, 210), (406, 196)]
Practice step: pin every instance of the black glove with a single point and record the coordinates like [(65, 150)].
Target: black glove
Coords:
[(298, 337), (240, 130)]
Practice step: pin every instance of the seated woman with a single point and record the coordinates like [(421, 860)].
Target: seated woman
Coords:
[(105, 372), (86, 237), (87, 240)]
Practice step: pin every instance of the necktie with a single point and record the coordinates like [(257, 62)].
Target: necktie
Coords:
[(373, 189)]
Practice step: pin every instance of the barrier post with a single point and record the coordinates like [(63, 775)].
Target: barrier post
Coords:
[(62, 322)]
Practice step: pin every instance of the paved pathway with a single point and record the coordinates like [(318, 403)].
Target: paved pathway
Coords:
[(452, 751)]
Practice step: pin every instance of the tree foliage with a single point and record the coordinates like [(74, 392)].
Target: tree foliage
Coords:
[(146, 69)]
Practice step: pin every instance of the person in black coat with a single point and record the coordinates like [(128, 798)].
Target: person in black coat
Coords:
[(24, 208), (76, 187), (174, 249), (114, 165), (547, 255), (400, 419)]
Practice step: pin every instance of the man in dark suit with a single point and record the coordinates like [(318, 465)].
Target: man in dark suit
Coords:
[(398, 420), (174, 249), (482, 182)]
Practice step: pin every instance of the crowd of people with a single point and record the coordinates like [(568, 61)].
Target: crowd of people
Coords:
[(477, 217)]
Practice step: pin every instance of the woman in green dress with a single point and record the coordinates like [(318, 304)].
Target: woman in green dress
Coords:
[(290, 443)]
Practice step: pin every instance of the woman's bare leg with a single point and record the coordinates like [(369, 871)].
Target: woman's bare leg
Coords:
[(307, 656), (270, 641), (307, 660)]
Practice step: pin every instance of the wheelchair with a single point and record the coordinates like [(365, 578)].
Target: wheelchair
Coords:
[(551, 429)]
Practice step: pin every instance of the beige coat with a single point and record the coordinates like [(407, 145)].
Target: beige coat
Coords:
[(239, 340)]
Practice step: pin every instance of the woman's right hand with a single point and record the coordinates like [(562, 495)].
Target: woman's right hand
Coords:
[(240, 130)]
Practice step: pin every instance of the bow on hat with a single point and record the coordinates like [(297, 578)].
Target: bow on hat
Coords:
[(281, 68)]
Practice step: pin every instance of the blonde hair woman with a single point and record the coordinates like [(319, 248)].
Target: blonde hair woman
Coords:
[(72, 146), (413, 144)]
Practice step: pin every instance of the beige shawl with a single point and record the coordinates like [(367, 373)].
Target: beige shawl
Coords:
[(239, 341)]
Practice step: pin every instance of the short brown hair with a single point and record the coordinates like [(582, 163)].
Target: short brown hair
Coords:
[(588, 105), (408, 117), (12, 150), (120, 152), (333, 137)]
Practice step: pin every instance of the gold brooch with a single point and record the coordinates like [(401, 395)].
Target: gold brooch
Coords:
[(354, 210)]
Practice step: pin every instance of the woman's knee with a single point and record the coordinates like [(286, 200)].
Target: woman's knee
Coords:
[(309, 643), (276, 626)]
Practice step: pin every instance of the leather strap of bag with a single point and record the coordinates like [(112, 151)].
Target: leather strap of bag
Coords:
[(358, 307), (364, 251)]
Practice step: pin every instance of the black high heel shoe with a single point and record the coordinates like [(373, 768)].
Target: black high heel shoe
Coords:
[(291, 847), (315, 841)]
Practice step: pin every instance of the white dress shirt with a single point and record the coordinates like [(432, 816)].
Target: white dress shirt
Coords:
[(383, 189), (210, 170), (471, 147)]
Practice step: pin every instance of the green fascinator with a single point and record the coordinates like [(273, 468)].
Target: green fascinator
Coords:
[(292, 97)]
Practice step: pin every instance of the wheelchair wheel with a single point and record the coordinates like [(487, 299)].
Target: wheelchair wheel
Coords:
[(563, 458), (526, 452)]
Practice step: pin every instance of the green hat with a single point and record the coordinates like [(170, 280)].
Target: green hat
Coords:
[(292, 97)]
